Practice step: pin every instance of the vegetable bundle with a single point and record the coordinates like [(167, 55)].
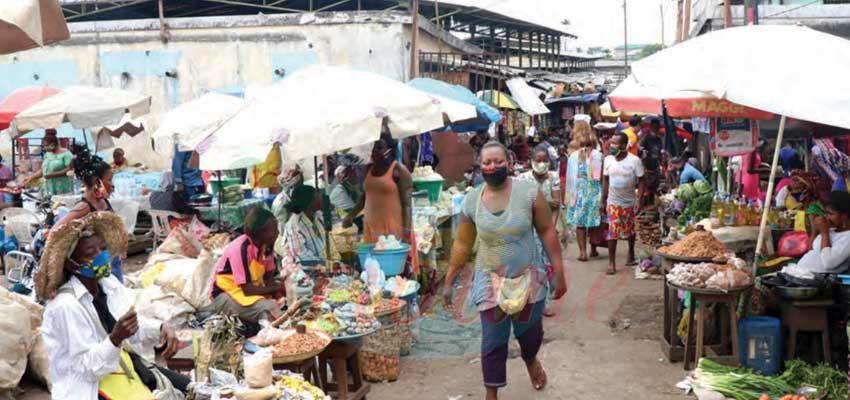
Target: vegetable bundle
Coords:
[(822, 377), (699, 208), (744, 384)]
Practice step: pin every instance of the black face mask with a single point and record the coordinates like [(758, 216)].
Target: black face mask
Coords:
[(497, 177)]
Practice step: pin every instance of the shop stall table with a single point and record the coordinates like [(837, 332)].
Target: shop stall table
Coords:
[(339, 356), (232, 213)]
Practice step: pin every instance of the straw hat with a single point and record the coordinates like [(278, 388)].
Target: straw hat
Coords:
[(62, 241)]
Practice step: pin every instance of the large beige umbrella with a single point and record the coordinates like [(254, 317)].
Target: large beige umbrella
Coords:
[(25, 24)]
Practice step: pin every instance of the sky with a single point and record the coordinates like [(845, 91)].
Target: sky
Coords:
[(596, 22)]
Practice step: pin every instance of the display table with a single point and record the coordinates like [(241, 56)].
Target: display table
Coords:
[(742, 239), (232, 213), (807, 316)]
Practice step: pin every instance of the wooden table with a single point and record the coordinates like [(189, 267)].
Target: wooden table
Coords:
[(307, 368), (807, 316), (340, 356)]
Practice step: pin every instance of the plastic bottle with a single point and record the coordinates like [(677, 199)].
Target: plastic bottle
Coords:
[(730, 212), (743, 214), (716, 213)]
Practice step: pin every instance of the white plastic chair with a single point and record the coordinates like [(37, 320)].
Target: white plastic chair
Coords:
[(19, 267), (161, 227), (19, 222)]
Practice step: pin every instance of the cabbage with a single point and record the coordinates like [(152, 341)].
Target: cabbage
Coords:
[(685, 192), (702, 187)]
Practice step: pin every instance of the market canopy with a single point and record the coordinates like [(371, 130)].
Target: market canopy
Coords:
[(497, 99), (632, 96), (526, 97), (189, 123), (20, 100), (319, 110), (793, 71), (457, 93), (26, 24), (582, 98), (83, 107)]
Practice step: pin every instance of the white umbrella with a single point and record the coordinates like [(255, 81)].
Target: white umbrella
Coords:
[(316, 111), (793, 71), (25, 24), (189, 123), (83, 107), (767, 67)]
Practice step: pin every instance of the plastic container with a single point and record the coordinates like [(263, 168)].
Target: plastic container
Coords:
[(391, 261), (760, 344), (433, 187), (215, 185)]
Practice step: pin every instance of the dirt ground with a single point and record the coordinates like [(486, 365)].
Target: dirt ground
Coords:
[(602, 346)]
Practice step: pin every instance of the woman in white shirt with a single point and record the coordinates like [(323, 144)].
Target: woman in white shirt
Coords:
[(830, 251), (92, 354)]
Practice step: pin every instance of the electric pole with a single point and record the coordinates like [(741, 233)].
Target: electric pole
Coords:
[(626, 39), (414, 54), (727, 13)]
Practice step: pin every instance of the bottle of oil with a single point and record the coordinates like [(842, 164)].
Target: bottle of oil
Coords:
[(743, 214), (717, 212), (730, 211)]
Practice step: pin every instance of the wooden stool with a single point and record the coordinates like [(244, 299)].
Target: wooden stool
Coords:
[(307, 368), (807, 316), (699, 299), (340, 356)]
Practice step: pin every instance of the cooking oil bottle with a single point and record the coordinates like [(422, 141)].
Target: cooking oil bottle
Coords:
[(717, 212), (729, 212), (743, 213)]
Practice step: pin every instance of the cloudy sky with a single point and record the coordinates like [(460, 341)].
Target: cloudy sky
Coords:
[(596, 22)]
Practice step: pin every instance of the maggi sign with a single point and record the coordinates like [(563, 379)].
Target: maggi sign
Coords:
[(717, 107)]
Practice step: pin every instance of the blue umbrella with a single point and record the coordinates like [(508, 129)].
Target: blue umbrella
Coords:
[(486, 113)]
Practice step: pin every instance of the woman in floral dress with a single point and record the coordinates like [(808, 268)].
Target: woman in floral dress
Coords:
[(584, 187)]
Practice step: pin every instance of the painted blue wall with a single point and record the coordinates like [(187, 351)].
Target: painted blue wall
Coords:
[(56, 73), (292, 61), (143, 64)]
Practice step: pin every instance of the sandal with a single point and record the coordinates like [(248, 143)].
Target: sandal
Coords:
[(583, 259), (632, 263), (538, 367), (611, 270)]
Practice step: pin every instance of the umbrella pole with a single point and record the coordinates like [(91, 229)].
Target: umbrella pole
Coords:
[(220, 197), (769, 197), (326, 209)]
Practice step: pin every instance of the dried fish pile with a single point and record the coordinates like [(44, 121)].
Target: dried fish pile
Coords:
[(698, 244)]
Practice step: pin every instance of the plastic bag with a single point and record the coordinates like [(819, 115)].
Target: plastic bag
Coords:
[(15, 342), (198, 230), (268, 336), (794, 244), (258, 369), (373, 275)]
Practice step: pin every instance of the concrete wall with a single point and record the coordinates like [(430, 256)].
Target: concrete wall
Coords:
[(227, 54), (829, 18)]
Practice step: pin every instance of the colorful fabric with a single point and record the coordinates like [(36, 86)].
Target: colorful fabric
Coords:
[(54, 163), (633, 140), (239, 268), (750, 182), (621, 222), (303, 240), (585, 191), (623, 178)]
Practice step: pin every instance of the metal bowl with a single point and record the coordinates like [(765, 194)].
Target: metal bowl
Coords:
[(798, 293)]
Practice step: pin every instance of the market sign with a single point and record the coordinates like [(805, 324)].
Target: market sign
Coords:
[(708, 107), (733, 136)]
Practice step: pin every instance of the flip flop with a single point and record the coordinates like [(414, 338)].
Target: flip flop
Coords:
[(583, 259), (632, 263), (611, 271), (540, 386)]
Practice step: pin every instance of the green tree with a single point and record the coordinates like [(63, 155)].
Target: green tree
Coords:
[(649, 50)]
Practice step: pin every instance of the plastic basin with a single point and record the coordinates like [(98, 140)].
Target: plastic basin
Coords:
[(391, 261), (432, 187)]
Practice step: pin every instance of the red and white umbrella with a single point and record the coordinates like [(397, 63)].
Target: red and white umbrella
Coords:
[(20, 100)]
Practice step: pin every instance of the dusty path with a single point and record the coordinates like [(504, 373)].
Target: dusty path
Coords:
[(603, 346)]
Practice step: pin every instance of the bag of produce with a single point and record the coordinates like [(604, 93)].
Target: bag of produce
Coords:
[(258, 369), (379, 356), (794, 244)]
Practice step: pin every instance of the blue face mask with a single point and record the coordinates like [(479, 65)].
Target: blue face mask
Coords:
[(98, 268)]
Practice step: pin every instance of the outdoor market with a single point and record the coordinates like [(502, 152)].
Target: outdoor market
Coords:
[(319, 235)]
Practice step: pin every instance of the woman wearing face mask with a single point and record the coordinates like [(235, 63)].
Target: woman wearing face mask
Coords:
[(510, 282), (96, 176), (584, 187), (54, 168), (94, 337), (386, 197)]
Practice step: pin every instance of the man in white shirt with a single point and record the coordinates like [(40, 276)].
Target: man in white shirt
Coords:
[(623, 174), (830, 251)]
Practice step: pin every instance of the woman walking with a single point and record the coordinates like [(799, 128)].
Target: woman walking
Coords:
[(584, 185), (510, 283)]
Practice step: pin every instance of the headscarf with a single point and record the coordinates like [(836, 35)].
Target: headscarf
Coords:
[(301, 198)]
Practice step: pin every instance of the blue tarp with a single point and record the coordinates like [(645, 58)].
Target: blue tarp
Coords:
[(457, 93)]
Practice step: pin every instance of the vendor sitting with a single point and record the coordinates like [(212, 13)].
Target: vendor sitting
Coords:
[(830, 251), (303, 241), (92, 354), (244, 282)]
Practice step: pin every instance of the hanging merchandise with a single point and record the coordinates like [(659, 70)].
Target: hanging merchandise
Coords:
[(733, 136)]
